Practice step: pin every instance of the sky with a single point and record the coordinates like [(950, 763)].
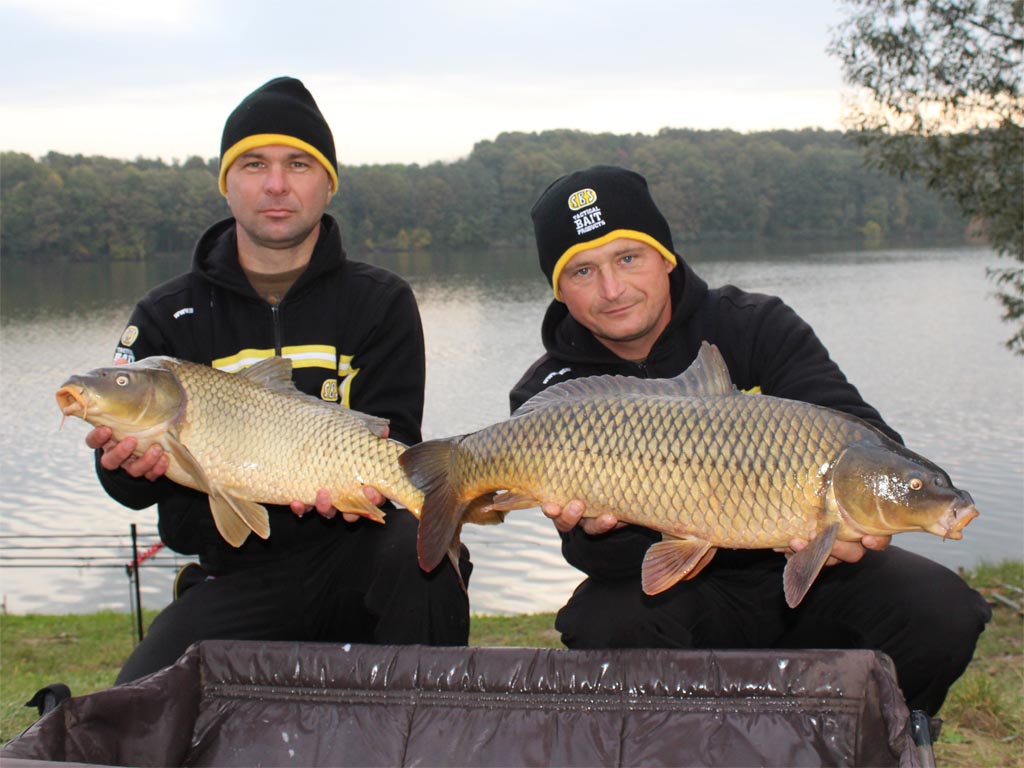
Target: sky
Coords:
[(402, 81)]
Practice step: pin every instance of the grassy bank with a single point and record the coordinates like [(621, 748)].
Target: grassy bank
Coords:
[(984, 714)]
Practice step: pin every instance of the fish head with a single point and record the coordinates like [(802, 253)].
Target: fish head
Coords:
[(882, 488), (130, 399)]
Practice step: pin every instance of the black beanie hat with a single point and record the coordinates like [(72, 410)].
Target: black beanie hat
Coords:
[(589, 208), (280, 111)]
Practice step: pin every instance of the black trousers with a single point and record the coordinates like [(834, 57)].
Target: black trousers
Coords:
[(363, 585), (923, 615)]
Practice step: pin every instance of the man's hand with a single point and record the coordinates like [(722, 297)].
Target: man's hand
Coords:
[(121, 455), (844, 551), (568, 517), (325, 508)]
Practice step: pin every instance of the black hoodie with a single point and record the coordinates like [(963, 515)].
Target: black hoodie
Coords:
[(764, 343), (357, 326)]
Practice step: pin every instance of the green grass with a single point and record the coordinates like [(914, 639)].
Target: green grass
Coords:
[(984, 714)]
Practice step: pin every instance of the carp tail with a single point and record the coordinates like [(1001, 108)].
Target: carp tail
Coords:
[(430, 466)]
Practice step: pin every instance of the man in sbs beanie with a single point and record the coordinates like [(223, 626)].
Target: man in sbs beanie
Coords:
[(273, 280), (626, 303)]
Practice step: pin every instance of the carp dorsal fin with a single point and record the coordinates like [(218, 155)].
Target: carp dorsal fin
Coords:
[(274, 373), (707, 375)]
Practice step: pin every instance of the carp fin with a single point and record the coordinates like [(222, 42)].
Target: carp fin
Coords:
[(428, 466), (673, 560), (360, 505), (453, 557), (187, 463), (509, 501), (803, 567), (707, 375), (235, 518), (481, 511), (275, 373)]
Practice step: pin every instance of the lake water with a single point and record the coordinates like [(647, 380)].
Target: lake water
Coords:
[(915, 329)]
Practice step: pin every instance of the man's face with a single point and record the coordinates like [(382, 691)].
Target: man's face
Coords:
[(277, 194), (620, 292)]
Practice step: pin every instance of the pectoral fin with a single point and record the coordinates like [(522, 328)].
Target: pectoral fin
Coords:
[(187, 463), (673, 560), (803, 567)]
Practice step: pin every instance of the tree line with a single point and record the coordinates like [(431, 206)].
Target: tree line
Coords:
[(711, 185)]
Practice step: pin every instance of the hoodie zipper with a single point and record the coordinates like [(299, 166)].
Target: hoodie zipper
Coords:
[(276, 317), (642, 370)]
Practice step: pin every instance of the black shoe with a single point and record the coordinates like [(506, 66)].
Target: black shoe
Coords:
[(49, 697)]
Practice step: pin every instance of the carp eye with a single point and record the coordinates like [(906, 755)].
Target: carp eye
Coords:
[(916, 484), (122, 380)]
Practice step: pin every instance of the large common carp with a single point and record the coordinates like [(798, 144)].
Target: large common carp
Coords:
[(246, 439), (695, 459)]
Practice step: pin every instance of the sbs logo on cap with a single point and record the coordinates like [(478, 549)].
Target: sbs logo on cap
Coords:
[(582, 199)]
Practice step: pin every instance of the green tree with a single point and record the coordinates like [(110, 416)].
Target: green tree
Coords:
[(31, 207), (942, 100)]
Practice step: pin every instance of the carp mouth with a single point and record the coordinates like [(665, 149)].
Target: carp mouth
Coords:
[(71, 401), (954, 520)]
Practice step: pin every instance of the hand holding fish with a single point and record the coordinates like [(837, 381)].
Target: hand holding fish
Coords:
[(152, 464), (843, 551), (569, 516)]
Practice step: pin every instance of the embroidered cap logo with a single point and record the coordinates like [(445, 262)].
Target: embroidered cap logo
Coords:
[(582, 199), (587, 216)]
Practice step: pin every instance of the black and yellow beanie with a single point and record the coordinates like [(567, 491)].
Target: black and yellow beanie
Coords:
[(281, 111), (589, 208)]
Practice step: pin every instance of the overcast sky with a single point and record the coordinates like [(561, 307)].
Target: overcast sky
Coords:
[(404, 81)]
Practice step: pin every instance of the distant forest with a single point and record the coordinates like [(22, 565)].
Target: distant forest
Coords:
[(711, 185)]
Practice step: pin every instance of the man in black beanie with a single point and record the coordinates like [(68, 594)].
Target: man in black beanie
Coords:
[(626, 303), (273, 280)]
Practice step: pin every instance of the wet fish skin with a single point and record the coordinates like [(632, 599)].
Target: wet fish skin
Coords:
[(698, 461), (247, 439)]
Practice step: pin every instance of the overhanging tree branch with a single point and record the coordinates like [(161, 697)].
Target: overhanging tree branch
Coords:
[(941, 98)]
